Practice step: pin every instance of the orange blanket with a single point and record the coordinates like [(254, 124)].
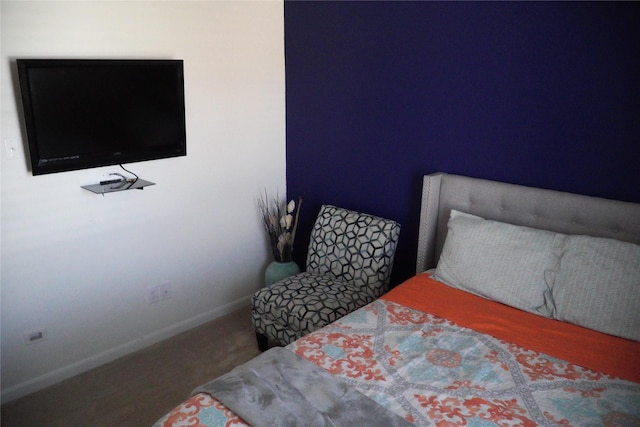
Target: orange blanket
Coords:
[(615, 356)]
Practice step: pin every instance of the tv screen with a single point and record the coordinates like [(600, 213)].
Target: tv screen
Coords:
[(86, 113)]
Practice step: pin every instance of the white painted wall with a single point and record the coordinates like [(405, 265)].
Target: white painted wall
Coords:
[(79, 264)]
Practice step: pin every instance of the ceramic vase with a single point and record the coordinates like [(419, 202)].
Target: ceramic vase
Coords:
[(278, 271)]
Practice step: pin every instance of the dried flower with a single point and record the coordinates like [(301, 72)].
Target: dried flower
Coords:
[(281, 224), (285, 221)]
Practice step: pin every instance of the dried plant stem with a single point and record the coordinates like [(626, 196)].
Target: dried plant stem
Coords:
[(279, 225), (295, 226)]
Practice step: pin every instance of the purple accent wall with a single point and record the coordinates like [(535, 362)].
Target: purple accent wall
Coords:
[(544, 94)]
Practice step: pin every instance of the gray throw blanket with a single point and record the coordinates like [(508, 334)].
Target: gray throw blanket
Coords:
[(279, 388)]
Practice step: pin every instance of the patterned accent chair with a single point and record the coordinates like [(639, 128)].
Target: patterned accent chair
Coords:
[(349, 264)]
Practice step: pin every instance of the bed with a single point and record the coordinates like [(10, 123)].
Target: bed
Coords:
[(524, 310)]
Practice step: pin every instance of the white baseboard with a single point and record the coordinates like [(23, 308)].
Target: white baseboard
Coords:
[(66, 372)]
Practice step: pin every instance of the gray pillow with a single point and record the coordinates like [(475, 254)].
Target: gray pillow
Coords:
[(598, 286), (511, 264)]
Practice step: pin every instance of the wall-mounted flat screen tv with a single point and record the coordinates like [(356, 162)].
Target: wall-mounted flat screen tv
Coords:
[(83, 113)]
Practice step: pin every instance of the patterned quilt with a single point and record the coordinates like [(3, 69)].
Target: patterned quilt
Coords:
[(433, 372)]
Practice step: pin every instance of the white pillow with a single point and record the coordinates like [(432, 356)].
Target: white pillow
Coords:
[(598, 286), (507, 263)]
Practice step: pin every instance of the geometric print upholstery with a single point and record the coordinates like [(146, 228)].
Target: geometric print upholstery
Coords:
[(353, 247), (297, 305), (349, 265)]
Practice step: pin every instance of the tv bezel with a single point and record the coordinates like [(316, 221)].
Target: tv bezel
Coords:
[(41, 165)]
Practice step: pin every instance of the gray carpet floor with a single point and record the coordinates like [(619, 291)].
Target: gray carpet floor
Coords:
[(138, 389)]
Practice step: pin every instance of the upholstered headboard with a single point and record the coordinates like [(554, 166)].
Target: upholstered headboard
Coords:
[(533, 207)]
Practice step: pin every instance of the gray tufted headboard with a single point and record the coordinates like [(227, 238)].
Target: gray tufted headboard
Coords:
[(516, 204)]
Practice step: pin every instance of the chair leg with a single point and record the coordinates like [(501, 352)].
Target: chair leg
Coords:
[(263, 341)]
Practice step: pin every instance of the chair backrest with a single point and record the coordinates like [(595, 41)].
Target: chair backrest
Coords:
[(354, 247)]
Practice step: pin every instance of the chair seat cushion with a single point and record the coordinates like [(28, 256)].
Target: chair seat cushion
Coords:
[(303, 303)]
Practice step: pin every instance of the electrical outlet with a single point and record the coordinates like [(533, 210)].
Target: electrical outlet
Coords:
[(35, 336), (165, 291), (10, 148), (153, 294)]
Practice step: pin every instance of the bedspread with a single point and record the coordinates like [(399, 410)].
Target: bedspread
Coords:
[(432, 371)]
